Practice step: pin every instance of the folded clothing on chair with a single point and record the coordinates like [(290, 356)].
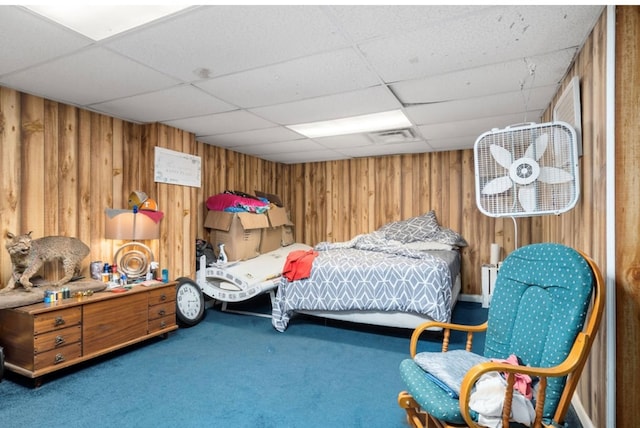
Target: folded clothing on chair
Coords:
[(448, 368)]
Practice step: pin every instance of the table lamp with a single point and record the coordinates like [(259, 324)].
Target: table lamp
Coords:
[(133, 258)]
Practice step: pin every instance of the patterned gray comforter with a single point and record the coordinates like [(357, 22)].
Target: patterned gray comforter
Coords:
[(368, 273)]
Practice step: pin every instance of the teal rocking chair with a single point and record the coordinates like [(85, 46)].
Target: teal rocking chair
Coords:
[(546, 308)]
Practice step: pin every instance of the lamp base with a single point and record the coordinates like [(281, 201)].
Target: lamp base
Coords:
[(133, 259)]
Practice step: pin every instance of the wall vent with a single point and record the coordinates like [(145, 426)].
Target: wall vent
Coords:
[(568, 109), (393, 136)]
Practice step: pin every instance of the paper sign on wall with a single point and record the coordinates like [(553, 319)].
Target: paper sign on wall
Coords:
[(173, 167)]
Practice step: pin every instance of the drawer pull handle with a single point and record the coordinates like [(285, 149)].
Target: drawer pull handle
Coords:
[(59, 340), (163, 297), (59, 358), (59, 321), (163, 324), (161, 312)]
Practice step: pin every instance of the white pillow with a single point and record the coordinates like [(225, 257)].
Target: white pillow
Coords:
[(428, 245)]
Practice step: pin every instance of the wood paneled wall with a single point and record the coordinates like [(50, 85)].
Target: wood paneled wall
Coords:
[(627, 215)]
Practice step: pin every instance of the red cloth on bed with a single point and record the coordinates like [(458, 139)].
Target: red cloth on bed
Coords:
[(298, 264)]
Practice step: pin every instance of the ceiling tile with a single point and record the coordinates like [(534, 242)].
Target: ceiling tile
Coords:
[(212, 41), (455, 143), (258, 136), (474, 126), (221, 123), (386, 149), (373, 21), (491, 36), (173, 103), (304, 157), (490, 79), (72, 79), (486, 106), (323, 74), (370, 100), (304, 145), (28, 39), (341, 141)]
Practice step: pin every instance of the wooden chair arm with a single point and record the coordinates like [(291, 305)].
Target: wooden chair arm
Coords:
[(573, 360), (446, 327)]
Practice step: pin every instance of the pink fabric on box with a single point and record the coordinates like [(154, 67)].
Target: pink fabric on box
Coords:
[(222, 201)]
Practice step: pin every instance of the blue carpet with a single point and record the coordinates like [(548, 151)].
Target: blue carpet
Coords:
[(236, 371)]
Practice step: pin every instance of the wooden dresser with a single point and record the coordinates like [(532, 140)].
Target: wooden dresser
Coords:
[(42, 338)]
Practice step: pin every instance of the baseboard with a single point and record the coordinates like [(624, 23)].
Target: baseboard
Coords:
[(476, 298), (585, 420)]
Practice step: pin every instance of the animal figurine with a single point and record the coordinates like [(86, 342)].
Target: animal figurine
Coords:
[(28, 255)]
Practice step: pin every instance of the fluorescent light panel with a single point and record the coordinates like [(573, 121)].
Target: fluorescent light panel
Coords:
[(384, 121), (99, 21)]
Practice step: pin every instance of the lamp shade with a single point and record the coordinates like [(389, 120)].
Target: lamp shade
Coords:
[(127, 225)]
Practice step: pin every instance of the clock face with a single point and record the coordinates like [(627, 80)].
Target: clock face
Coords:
[(189, 303)]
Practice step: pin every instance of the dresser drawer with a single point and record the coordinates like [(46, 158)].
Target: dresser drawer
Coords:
[(57, 356), (162, 323), (57, 339), (162, 295), (54, 320), (164, 309)]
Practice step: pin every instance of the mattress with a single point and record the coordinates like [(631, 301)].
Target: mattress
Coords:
[(369, 273)]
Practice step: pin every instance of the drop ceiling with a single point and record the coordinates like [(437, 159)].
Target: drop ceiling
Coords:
[(236, 76)]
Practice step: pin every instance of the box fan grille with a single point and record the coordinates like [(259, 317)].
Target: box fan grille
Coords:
[(527, 170)]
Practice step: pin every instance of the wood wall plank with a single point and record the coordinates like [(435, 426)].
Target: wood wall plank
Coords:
[(628, 217), (68, 167), (86, 187), (33, 167), (51, 168), (10, 161)]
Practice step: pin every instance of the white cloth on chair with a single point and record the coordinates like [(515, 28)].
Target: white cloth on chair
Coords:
[(488, 398)]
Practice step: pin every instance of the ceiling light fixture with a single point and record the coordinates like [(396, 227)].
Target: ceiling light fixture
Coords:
[(99, 21), (383, 121)]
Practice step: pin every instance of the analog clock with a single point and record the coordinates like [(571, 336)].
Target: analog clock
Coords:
[(189, 303)]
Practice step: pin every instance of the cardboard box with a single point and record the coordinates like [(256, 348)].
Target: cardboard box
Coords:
[(240, 233), (278, 216), (272, 236), (271, 239), (287, 235)]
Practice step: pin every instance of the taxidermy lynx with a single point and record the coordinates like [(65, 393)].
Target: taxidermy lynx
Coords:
[(28, 255)]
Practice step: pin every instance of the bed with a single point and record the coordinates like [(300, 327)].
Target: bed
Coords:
[(400, 275)]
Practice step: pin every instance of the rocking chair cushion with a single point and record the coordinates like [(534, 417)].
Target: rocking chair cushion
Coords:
[(432, 398), (540, 287), (449, 367)]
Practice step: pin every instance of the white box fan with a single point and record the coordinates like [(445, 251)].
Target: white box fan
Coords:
[(527, 170)]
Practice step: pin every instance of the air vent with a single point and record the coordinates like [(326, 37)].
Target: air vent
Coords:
[(393, 136), (567, 109)]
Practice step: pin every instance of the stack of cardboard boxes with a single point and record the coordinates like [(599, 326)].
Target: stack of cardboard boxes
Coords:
[(246, 235)]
